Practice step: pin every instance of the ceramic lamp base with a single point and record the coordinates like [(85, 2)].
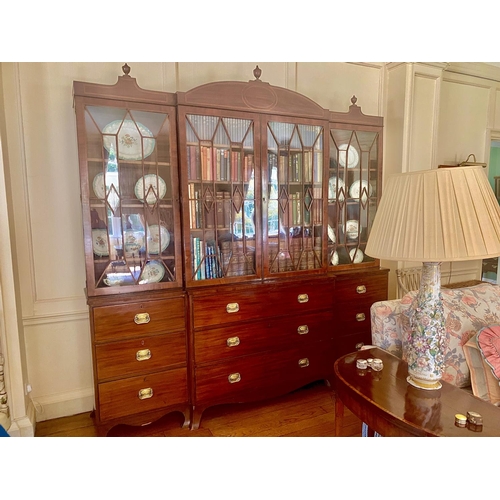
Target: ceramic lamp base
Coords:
[(424, 342), (424, 384)]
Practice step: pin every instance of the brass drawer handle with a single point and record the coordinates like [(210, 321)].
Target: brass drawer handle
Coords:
[(233, 341), (142, 318), (143, 355), (361, 289), (303, 329), (303, 298), (234, 377), (146, 393), (360, 317), (233, 307), (303, 362)]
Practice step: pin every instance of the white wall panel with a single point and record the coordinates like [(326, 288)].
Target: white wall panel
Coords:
[(422, 123), (462, 122)]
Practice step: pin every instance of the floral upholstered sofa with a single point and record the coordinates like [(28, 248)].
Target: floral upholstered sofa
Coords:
[(472, 319)]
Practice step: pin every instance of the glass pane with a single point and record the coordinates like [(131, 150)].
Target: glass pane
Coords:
[(221, 189), (131, 196), (294, 213), (352, 194)]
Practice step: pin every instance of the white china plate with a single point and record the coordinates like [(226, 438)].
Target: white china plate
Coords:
[(351, 153), (100, 242), (358, 187), (155, 235), (335, 259), (133, 241), (131, 136), (333, 183), (154, 187), (331, 233), (100, 189), (356, 255), (351, 229), (153, 272)]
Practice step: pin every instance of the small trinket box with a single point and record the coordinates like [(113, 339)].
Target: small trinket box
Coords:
[(460, 420), (362, 364), (474, 418)]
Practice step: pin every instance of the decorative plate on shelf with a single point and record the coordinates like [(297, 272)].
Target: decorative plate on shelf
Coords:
[(360, 186), (335, 259), (351, 153), (153, 272), (351, 229), (356, 255), (331, 233), (131, 137), (153, 186), (155, 235), (100, 242), (333, 185), (100, 188)]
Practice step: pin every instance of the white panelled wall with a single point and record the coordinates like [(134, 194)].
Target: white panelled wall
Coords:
[(435, 113)]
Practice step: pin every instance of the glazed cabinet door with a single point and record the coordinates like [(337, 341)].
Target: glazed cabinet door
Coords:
[(128, 168), (293, 197), (220, 181), (354, 187)]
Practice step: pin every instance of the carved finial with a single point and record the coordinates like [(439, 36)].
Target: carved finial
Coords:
[(126, 69), (354, 99), (257, 72)]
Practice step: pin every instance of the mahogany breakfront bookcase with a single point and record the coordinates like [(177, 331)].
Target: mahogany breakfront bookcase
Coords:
[(224, 234)]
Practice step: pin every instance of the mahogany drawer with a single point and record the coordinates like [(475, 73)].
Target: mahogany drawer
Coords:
[(261, 302), (259, 376), (123, 397), (367, 289), (138, 319), (270, 334), (147, 354)]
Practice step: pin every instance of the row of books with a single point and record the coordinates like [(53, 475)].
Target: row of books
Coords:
[(302, 207), (210, 262), (219, 164), (304, 166), (209, 213)]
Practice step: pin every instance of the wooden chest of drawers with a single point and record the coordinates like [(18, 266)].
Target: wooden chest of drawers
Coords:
[(258, 341), (354, 295), (140, 358)]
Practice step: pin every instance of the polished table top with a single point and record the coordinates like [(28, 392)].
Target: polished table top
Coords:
[(390, 406)]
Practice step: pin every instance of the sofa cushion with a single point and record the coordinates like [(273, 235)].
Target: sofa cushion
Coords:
[(484, 384), (466, 310), (488, 340)]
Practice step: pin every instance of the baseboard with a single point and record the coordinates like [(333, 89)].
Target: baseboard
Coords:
[(64, 404)]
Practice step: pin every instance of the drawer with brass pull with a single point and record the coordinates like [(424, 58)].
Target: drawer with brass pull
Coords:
[(361, 289), (132, 395), (259, 336), (258, 302), (138, 318), (262, 375), (130, 357)]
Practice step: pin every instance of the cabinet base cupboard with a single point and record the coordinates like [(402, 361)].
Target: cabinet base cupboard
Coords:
[(224, 232)]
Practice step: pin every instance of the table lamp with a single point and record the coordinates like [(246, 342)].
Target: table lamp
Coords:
[(434, 216)]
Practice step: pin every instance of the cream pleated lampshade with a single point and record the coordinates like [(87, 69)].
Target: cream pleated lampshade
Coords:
[(440, 215)]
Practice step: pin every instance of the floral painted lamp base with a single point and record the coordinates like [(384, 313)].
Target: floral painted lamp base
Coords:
[(424, 339)]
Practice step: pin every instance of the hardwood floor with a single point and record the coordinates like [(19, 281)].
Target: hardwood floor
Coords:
[(307, 412)]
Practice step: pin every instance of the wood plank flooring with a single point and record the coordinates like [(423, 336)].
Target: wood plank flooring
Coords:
[(307, 412)]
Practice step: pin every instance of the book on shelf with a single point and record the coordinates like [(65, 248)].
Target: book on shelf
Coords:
[(219, 196), (209, 211), (227, 209)]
